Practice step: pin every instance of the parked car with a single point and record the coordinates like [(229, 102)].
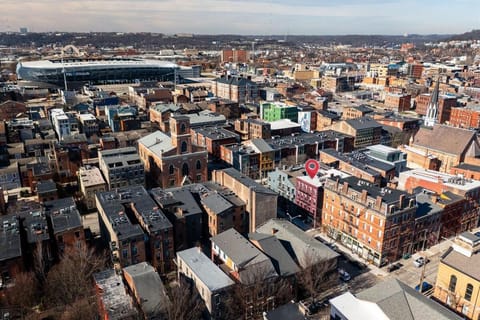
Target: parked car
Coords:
[(419, 262), (344, 275), (394, 266), (425, 287)]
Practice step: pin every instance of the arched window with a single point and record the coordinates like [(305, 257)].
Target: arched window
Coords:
[(185, 170), (199, 165), (183, 128), (184, 147), (468, 292), (171, 169), (453, 283)]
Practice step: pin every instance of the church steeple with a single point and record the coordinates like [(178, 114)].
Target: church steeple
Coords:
[(432, 109)]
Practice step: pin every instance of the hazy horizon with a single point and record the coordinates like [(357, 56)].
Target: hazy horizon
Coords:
[(244, 17)]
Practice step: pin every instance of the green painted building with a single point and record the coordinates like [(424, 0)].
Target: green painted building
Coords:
[(278, 111)]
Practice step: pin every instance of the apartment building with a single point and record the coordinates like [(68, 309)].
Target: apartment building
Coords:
[(365, 131), (210, 281), (121, 167), (261, 202), (465, 117), (91, 182), (224, 209), (375, 223), (273, 111), (458, 278), (212, 138), (66, 224), (237, 89), (252, 129), (135, 228)]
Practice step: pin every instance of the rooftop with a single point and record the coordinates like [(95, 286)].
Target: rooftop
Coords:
[(90, 176), (401, 302), (117, 303), (388, 195), (10, 243), (216, 133), (453, 181), (246, 181), (283, 124), (305, 249), (453, 140), (116, 202), (363, 123), (180, 197), (64, 215), (304, 139), (148, 287), (204, 269), (246, 257), (157, 142)]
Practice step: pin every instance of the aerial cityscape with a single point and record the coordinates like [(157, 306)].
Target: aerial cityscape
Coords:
[(236, 159)]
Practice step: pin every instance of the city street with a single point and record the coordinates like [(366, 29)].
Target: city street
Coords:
[(365, 276)]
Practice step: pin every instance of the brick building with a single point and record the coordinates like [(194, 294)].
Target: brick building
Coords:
[(261, 202), (173, 160), (375, 223), (365, 131), (135, 228), (445, 105), (398, 102), (235, 55), (449, 144), (212, 138), (465, 117), (237, 89), (252, 129)]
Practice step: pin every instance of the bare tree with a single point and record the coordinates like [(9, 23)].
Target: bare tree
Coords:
[(81, 309), (317, 275), (259, 290), (185, 302), (24, 293), (71, 279)]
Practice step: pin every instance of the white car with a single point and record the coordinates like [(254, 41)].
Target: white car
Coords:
[(419, 262)]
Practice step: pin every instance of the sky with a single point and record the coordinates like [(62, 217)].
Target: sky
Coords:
[(248, 17)]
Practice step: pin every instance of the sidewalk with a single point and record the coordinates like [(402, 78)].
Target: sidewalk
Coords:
[(352, 256)]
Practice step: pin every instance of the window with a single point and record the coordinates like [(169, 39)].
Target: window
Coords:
[(182, 128), (77, 234), (453, 283), (185, 170), (468, 292), (198, 165), (184, 147), (171, 169)]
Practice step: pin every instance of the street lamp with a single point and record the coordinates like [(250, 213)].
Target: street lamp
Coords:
[(291, 218)]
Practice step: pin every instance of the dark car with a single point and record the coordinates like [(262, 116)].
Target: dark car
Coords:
[(394, 266), (425, 287)]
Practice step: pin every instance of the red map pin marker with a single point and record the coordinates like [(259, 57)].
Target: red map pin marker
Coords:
[(312, 166)]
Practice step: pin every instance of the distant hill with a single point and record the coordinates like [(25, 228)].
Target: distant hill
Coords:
[(471, 35), (155, 41)]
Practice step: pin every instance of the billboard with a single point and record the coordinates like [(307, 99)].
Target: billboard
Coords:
[(305, 119)]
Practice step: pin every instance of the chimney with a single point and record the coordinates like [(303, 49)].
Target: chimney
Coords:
[(364, 196), (345, 187), (401, 200), (434, 198), (274, 230), (378, 203)]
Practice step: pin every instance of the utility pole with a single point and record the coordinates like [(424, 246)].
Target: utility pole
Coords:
[(422, 275)]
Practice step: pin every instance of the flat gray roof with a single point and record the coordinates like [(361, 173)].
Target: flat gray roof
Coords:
[(204, 269)]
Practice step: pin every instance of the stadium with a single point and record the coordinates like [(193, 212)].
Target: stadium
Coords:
[(96, 71)]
